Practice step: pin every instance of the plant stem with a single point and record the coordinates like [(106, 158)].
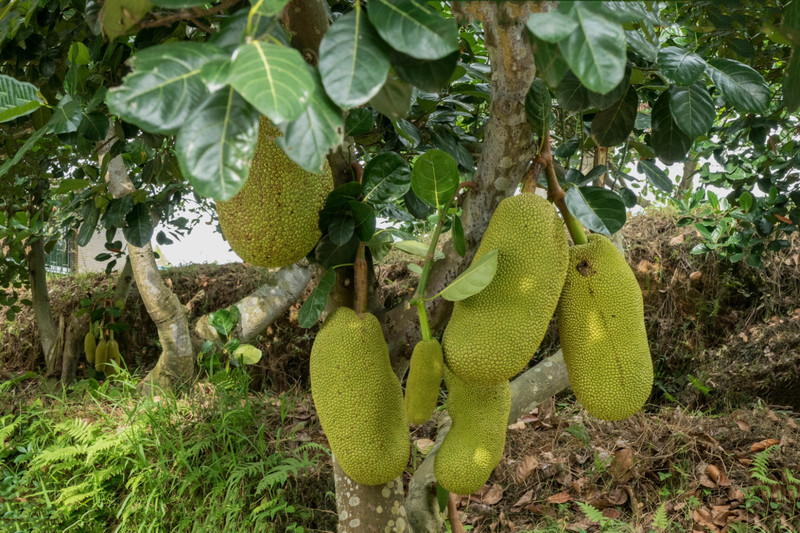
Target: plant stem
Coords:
[(360, 281), (556, 195), (419, 295)]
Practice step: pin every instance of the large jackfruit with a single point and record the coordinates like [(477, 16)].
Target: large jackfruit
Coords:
[(113, 355), (424, 378), (493, 334), (358, 398), (89, 347), (101, 354), (273, 220), (475, 443), (601, 325)]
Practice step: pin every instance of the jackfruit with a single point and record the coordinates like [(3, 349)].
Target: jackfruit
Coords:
[(492, 335), (272, 220), (424, 378), (475, 443), (101, 355), (89, 347), (601, 325), (358, 398), (113, 355)]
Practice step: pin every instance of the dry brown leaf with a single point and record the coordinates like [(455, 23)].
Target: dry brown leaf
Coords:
[(524, 500), (611, 513), (622, 465), (772, 416), (744, 426), (526, 467), (735, 494), (718, 476), (611, 498), (676, 240), (763, 445), (561, 497), (519, 424), (703, 518), (493, 495), (694, 276), (790, 423), (424, 445), (722, 514)]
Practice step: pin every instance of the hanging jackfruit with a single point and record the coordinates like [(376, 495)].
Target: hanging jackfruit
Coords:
[(272, 221), (89, 347), (603, 337), (424, 378), (492, 335), (358, 398), (113, 355), (475, 443), (101, 354)]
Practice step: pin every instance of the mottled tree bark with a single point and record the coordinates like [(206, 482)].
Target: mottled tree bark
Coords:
[(372, 508), (124, 282), (49, 335)]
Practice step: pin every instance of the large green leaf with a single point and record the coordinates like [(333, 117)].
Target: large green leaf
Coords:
[(411, 27), (667, 139), (435, 177), (273, 78), (353, 60), (692, 109), (539, 108), (90, 215), (604, 101), (550, 64), (140, 225), (551, 26), (216, 144), (364, 217), (266, 8), (655, 175), (118, 17), (93, 126), (394, 98), (387, 177), (791, 81), (165, 87), (474, 279), (427, 74), (320, 128), (742, 87), (341, 228), (599, 209), (681, 66), (417, 248), (612, 126), (18, 98), (247, 354), (27, 145), (313, 307), (571, 94), (67, 116), (595, 51)]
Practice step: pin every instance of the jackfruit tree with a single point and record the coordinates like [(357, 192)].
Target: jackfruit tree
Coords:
[(328, 133)]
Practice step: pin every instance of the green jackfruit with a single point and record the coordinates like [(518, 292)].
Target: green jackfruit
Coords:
[(358, 398), (493, 334), (89, 347), (424, 378), (601, 325), (113, 355), (272, 220), (475, 443), (101, 355)]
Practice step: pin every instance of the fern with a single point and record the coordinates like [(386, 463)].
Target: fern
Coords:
[(660, 519), (760, 467), (592, 513), (56, 454), (7, 428), (78, 429)]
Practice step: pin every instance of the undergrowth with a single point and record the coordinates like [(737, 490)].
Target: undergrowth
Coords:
[(103, 459)]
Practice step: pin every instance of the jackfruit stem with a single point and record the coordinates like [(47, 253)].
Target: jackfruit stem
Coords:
[(360, 281), (419, 295), (556, 195)]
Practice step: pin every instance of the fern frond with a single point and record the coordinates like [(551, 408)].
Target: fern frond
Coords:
[(660, 519), (80, 430), (56, 454), (760, 467), (7, 428), (592, 513)]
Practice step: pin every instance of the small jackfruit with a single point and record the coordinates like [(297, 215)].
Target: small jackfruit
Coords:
[(89, 347), (475, 443), (101, 355), (358, 398), (113, 355), (424, 378), (272, 220), (603, 337), (492, 335)]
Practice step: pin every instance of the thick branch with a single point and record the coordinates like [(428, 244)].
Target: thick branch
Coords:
[(48, 331)]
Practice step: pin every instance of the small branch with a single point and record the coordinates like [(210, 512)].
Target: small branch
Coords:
[(419, 295), (557, 195), (532, 177), (186, 14), (600, 158), (360, 281), (452, 513)]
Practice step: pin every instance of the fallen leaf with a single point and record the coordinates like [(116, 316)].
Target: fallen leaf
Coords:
[(517, 425), (611, 513), (561, 497), (493, 495), (763, 445), (622, 465), (791, 423), (703, 518), (718, 476), (524, 500), (526, 467), (611, 498), (676, 240), (694, 276), (424, 445), (744, 426), (772, 416), (784, 219)]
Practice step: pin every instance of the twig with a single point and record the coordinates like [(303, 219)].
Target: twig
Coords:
[(557, 195), (186, 14), (532, 177), (452, 513), (360, 281)]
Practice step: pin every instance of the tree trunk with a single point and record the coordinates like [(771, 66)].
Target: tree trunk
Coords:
[(372, 508), (124, 282), (48, 330), (76, 329)]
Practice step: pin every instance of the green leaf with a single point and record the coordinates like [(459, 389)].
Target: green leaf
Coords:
[(474, 279), (247, 354), (746, 201), (435, 177), (353, 60), (337, 201), (267, 8), (394, 98), (427, 74), (459, 241), (67, 116), (791, 81), (117, 209), (27, 145), (442, 496), (571, 94), (329, 254), (597, 208), (313, 307), (550, 64), (90, 215), (308, 139), (165, 87), (655, 175), (273, 78), (416, 207), (612, 126), (179, 4), (681, 66), (120, 16), (78, 54), (18, 98), (667, 139), (93, 126), (417, 248), (413, 28), (551, 26), (341, 229), (604, 101), (216, 144), (742, 87), (692, 109), (358, 122), (568, 148), (387, 177), (628, 196), (539, 108), (380, 245), (140, 226), (364, 217), (70, 184), (222, 321), (595, 51)]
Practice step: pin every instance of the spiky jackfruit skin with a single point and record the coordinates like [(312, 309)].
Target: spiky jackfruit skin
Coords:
[(475, 443), (113, 355), (358, 398), (272, 220), (101, 355), (424, 378), (603, 337), (89, 347), (492, 335)]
